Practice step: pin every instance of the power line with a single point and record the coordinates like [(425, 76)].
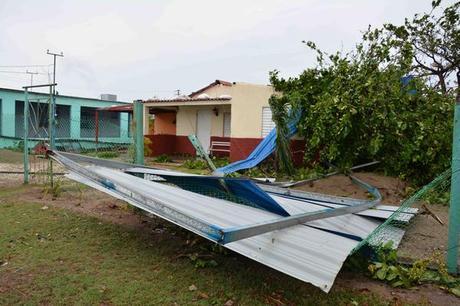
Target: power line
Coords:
[(25, 66), (21, 72), (31, 76)]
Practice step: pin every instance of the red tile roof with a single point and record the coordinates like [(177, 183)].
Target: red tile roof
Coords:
[(216, 82), (117, 108), (187, 100)]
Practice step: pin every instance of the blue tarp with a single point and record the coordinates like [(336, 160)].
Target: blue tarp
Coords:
[(238, 190), (261, 152)]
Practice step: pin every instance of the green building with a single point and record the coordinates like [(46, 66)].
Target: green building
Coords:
[(85, 122)]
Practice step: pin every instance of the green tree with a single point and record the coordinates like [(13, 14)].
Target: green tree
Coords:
[(435, 44), (356, 109)]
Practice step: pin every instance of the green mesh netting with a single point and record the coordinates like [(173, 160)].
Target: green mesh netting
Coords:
[(437, 191)]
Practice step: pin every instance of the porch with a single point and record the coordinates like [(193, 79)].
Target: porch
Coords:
[(171, 121)]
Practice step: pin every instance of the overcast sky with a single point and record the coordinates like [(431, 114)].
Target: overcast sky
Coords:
[(141, 49)]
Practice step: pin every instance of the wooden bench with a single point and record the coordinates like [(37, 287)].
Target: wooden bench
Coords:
[(219, 146)]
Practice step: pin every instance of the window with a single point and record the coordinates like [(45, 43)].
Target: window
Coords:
[(267, 122), (63, 121), (227, 124), (87, 122), (108, 125), (38, 119)]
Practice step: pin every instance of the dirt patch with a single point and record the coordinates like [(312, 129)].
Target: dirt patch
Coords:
[(425, 235), (82, 199), (391, 188), (10, 156)]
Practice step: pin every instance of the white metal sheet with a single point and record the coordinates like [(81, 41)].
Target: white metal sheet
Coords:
[(347, 224), (309, 254)]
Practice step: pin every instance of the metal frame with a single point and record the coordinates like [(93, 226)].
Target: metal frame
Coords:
[(199, 149), (220, 235), (139, 200), (26, 127), (261, 228)]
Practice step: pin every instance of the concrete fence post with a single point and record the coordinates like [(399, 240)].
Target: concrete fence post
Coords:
[(454, 209), (26, 136), (139, 131)]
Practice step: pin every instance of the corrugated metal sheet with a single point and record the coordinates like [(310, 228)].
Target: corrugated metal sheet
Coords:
[(313, 252), (309, 254), (347, 224), (380, 211)]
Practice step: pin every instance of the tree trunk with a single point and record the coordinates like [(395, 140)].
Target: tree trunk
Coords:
[(442, 82)]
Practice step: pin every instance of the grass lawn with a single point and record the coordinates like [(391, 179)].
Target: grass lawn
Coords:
[(56, 256)]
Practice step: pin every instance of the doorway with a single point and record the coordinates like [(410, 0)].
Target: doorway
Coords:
[(203, 128)]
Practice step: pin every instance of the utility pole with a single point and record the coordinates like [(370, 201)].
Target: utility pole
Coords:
[(177, 92), (53, 99), (31, 76)]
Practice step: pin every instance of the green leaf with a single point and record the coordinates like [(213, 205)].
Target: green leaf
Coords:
[(455, 291)]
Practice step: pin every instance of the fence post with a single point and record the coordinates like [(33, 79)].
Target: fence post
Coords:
[(139, 131), (51, 118), (454, 209), (26, 136), (51, 133)]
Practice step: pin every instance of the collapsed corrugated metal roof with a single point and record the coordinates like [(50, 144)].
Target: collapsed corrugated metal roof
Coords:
[(312, 251)]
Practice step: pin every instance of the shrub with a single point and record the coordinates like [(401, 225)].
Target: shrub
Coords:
[(195, 164)]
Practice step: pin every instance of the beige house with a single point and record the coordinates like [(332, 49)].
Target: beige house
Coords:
[(229, 118)]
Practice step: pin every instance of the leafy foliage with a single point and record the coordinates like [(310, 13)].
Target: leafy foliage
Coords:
[(163, 158), (107, 154), (365, 105), (195, 164), (279, 107), (386, 268)]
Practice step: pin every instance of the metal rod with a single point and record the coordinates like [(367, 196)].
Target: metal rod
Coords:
[(42, 85), (231, 235), (201, 152), (26, 135), (97, 129), (30, 172), (51, 135), (303, 182), (454, 209)]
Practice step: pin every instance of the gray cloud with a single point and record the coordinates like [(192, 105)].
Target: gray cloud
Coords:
[(138, 49)]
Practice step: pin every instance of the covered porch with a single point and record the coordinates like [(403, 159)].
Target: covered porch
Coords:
[(171, 121)]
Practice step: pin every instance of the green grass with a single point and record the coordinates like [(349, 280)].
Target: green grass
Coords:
[(56, 256)]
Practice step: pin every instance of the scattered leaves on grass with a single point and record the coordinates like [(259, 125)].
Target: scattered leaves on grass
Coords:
[(192, 287), (229, 303), (203, 295)]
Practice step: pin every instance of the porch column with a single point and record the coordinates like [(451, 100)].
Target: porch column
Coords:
[(146, 119)]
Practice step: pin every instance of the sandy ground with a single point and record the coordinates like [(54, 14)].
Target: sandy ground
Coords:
[(424, 236), (392, 189)]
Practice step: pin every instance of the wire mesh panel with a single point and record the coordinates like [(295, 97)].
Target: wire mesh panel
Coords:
[(102, 134), (425, 234)]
